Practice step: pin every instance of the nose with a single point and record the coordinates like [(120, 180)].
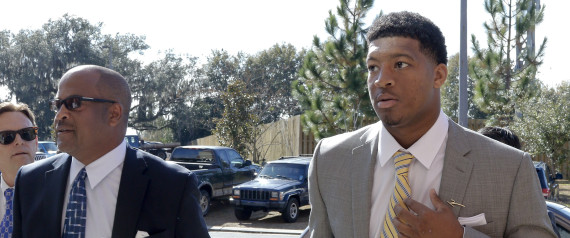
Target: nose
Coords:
[(18, 140), (61, 114), (384, 78)]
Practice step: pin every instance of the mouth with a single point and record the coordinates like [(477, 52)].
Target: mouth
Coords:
[(385, 101), (19, 153)]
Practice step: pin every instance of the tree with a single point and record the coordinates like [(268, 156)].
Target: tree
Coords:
[(268, 75), (236, 127), (332, 87), (544, 124), (505, 71), (450, 92), (33, 61)]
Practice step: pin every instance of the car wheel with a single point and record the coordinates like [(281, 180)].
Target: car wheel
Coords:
[(242, 213), (204, 201), (161, 154), (291, 212)]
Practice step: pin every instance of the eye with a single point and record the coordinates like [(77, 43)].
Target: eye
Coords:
[(401, 65), (372, 68)]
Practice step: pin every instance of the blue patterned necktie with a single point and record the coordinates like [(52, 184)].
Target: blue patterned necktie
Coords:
[(76, 212), (7, 222)]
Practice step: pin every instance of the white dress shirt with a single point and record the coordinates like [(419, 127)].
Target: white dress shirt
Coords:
[(424, 174), (3, 187), (102, 188)]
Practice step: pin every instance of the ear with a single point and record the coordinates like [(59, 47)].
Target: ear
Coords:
[(115, 114), (440, 73)]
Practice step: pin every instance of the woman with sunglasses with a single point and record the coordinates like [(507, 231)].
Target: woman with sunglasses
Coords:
[(18, 146)]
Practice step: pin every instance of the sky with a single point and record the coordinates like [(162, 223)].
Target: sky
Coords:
[(196, 27)]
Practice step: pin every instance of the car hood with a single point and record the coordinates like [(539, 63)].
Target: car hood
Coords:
[(263, 183)]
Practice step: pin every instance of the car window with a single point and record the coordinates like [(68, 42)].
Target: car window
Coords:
[(224, 159), (284, 171), (235, 159), (192, 155)]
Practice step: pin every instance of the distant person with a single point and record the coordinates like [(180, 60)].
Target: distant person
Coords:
[(100, 187), (501, 134), (416, 173), (508, 137), (18, 146)]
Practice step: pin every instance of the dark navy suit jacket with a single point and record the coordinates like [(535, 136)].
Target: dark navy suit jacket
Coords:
[(154, 196)]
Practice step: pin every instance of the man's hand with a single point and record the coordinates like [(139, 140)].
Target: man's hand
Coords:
[(427, 222)]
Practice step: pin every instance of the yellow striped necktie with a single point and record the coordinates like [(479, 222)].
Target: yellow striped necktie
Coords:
[(402, 191)]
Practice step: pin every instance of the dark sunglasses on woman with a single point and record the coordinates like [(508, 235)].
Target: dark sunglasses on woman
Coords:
[(27, 134), (74, 102)]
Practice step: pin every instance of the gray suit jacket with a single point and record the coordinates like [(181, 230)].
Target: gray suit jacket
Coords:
[(484, 175)]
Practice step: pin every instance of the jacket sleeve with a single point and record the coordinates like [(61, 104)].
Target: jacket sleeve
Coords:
[(527, 213), (190, 221), (319, 225)]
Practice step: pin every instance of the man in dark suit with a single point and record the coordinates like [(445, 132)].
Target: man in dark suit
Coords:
[(100, 187)]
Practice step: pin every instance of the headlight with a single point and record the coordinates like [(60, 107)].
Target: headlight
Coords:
[(236, 192), (274, 194)]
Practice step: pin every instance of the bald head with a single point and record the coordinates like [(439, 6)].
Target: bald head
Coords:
[(110, 84)]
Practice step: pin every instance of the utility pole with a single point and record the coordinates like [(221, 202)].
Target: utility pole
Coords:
[(462, 120)]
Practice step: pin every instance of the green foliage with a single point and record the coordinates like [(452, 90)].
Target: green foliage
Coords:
[(450, 92), (332, 89), (269, 75), (33, 61), (236, 128), (505, 71), (544, 123)]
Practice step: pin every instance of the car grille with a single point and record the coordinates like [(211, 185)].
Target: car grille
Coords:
[(255, 195), (39, 157)]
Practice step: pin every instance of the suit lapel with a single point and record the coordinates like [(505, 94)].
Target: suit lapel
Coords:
[(132, 190), (363, 162), (456, 167), (54, 195)]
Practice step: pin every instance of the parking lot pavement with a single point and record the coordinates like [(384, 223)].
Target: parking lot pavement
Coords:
[(221, 216)]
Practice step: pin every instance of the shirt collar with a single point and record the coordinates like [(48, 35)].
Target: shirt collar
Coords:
[(424, 150), (3, 185), (100, 168)]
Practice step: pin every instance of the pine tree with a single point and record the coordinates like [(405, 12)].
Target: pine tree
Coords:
[(332, 87), (505, 72)]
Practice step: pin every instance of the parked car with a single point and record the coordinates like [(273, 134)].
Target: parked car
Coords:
[(282, 185), (561, 218), (45, 149), (218, 169), (548, 183)]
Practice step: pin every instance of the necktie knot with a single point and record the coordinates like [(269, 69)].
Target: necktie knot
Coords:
[(402, 161)]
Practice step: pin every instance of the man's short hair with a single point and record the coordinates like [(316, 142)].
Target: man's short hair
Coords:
[(411, 25), (501, 134), (18, 107)]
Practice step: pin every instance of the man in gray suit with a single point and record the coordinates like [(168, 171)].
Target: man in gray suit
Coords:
[(459, 183)]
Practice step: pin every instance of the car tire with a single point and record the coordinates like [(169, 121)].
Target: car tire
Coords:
[(242, 214), (204, 201), (291, 212), (161, 154)]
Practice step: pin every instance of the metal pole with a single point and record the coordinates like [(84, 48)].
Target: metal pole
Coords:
[(463, 67)]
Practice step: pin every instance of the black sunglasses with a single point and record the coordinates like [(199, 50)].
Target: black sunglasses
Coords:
[(74, 102), (27, 134)]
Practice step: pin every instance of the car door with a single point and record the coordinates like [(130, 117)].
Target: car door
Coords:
[(227, 171), (241, 174)]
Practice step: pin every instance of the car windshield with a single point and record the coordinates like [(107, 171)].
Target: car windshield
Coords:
[(284, 171), (50, 146), (192, 155)]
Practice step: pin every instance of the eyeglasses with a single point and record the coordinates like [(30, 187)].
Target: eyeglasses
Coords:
[(27, 134), (74, 102)]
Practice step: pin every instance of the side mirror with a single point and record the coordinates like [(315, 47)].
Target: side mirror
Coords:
[(558, 176), (247, 163)]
